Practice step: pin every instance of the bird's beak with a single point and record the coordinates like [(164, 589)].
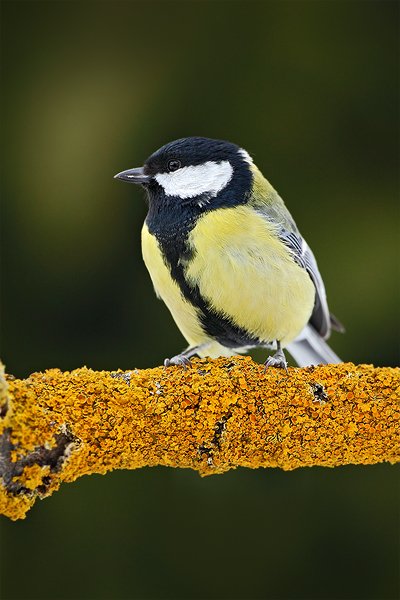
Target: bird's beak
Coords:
[(134, 176)]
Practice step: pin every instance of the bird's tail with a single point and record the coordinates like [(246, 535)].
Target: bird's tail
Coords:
[(309, 348)]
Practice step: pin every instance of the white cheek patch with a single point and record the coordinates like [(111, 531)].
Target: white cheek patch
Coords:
[(209, 178)]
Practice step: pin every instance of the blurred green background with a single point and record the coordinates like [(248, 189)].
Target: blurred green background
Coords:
[(310, 89)]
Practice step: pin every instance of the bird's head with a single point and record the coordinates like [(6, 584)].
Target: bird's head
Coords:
[(194, 174)]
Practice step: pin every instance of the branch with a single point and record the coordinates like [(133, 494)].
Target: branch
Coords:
[(218, 415)]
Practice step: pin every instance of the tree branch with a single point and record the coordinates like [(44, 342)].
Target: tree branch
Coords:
[(218, 415)]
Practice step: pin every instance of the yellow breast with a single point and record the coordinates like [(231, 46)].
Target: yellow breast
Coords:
[(184, 314), (244, 271)]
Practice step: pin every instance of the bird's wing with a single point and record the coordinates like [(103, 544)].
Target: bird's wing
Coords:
[(277, 213), (302, 254)]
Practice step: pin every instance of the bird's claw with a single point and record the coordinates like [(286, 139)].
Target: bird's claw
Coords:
[(278, 361), (180, 360)]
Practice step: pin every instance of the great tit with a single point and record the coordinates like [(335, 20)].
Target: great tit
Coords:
[(226, 257)]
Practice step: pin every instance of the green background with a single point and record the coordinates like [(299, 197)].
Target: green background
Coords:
[(310, 89)]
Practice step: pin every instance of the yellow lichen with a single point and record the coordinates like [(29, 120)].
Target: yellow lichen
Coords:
[(218, 415), (32, 476)]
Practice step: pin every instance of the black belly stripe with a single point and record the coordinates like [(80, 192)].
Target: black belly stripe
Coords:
[(215, 324)]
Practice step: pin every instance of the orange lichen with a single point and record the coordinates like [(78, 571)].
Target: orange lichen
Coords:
[(32, 476), (218, 415)]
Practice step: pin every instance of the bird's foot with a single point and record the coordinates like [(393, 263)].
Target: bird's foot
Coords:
[(278, 360), (180, 360)]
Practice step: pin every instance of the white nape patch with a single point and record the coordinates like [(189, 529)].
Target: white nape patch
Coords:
[(246, 156), (209, 178)]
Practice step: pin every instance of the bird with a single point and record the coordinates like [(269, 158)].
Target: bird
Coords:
[(226, 257)]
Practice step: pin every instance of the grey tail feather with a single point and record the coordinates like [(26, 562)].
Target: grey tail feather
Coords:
[(311, 349), (336, 324)]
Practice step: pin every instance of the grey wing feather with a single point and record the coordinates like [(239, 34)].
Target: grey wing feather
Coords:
[(278, 214), (302, 254)]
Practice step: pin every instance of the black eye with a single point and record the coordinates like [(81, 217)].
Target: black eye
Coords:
[(174, 165)]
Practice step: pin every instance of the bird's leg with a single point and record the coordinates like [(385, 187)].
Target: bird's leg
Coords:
[(183, 359), (278, 359)]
